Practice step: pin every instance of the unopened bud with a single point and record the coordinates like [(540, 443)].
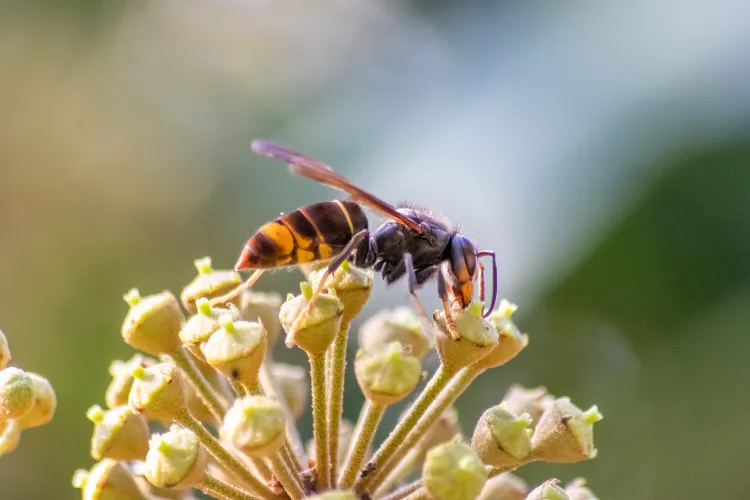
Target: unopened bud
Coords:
[(153, 323), (549, 490), (534, 401), (565, 434), (445, 428), (452, 471), (317, 329), (107, 480), (256, 425), (400, 325), (505, 486), (264, 307), (352, 285), (119, 434), (501, 438), (577, 490), (16, 393), (119, 388), (237, 350), (10, 436), (4, 351), (209, 284), (201, 325), (294, 386), (510, 340), (477, 338), (175, 459), (45, 403), (158, 391), (387, 373)]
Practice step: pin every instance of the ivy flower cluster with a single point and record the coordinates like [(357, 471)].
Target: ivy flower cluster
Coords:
[(226, 414)]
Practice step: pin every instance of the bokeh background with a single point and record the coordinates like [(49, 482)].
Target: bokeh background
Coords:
[(601, 148)]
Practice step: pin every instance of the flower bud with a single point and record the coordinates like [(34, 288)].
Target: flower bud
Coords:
[(107, 480), (477, 337), (335, 495), (400, 324), (203, 324), (255, 425), (45, 403), (209, 284), (264, 308), (119, 434), (505, 486), (10, 436), (352, 285), (564, 433), (387, 373), (452, 471), (16, 393), (577, 490), (4, 351), (501, 438), (175, 459), (510, 340), (534, 401), (237, 350), (158, 391), (153, 323), (549, 490), (119, 388), (294, 386), (316, 330)]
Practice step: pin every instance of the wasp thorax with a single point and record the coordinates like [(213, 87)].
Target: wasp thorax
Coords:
[(107, 480), (263, 308), (316, 328), (119, 434), (153, 323), (387, 373), (158, 391), (501, 438), (256, 425), (209, 284), (175, 459), (397, 325), (564, 433), (452, 471), (237, 350), (477, 337)]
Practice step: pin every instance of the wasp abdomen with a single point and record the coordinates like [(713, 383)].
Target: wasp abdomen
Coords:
[(311, 233)]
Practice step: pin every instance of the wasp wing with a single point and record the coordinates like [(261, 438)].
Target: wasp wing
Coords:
[(320, 172)]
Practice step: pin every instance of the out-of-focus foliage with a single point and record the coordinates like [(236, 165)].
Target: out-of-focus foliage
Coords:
[(600, 149)]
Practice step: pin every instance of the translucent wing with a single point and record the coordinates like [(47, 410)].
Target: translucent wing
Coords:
[(320, 172)]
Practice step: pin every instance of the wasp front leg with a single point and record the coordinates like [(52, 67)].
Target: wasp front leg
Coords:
[(445, 298)]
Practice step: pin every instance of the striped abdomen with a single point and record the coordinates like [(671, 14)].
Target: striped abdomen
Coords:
[(311, 233)]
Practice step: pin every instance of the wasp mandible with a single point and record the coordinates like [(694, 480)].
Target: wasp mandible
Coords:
[(413, 242)]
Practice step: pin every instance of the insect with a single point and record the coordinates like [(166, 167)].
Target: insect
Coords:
[(412, 242)]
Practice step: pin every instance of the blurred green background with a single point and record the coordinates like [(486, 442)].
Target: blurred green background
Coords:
[(602, 149)]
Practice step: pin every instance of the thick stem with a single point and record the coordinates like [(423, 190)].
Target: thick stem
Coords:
[(288, 480), (405, 491), (320, 429), (402, 471), (336, 376), (223, 491), (225, 458), (420, 494), (433, 411), (205, 392), (293, 443), (367, 424), (438, 381)]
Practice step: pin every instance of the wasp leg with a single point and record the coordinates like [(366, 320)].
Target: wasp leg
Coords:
[(443, 293), (413, 280), (238, 290), (335, 263)]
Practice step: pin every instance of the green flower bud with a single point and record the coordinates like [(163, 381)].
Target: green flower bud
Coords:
[(4, 351), (175, 459), (510, 340), (45, 403), (387, 373), (317, 329), (294, 386), (505, 486), (352, 285), (534, 401), (335, 495), (501, 438), (477, 337), (203, 324), (119, 388), (107, 480), (577, 490), (452, 471), (256, 425), (237, 350), (16, 393), (119, 434), (153, 323), (158, 391), (264, 308), (400, 325), (209, 284), (10, 436), (565, 434), (549, 490)]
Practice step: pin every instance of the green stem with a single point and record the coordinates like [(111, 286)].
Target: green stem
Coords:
[(223, 491), (364, 432), (432, 412), (402, 471), (293, 443), (320, 429), (405, 491), (225, 458), (238, 389), (420, 494), (438, 381), (288, 480), (336, 378), (196, 379)]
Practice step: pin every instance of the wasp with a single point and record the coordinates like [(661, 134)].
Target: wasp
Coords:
[(412, 242)]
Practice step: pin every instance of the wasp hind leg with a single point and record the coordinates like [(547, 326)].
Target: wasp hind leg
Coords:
[(443, 293), (414, 281), (354, 243)]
